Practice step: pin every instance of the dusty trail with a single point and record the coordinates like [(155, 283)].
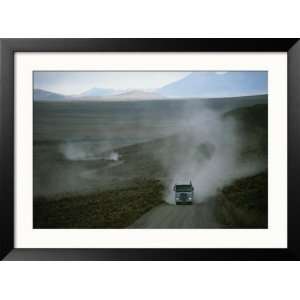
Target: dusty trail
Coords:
[(179, 216)]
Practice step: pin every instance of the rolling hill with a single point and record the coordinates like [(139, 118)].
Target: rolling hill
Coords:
[(43, 95)]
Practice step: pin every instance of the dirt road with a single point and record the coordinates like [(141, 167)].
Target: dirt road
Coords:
[(179, 216)]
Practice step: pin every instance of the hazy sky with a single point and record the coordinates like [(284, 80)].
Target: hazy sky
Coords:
[(69, 83)]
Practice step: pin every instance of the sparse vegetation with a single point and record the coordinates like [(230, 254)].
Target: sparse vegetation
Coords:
[(117, 208), (244, 203)]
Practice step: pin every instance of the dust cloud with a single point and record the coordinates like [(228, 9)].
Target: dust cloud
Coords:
[(87, 151), (207, 152)]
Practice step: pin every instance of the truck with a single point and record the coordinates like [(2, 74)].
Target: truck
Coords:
[(184, 194)]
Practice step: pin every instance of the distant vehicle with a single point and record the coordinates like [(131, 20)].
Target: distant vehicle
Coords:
[(184, 193)]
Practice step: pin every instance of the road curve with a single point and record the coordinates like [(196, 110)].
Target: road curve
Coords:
[(179, 216)]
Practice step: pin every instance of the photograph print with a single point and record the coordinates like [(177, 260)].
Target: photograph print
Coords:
[(150, 149)]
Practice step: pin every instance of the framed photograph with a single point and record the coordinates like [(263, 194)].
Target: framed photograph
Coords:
[(149, 149)]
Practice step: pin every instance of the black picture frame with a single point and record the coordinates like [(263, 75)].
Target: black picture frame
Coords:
[(8, 47)]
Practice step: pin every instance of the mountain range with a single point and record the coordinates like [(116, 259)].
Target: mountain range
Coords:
[(195, 85), (96, 92), (218, 85)]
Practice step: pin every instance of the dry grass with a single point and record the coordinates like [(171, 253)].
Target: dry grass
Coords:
[(116, 208), (244, 203)]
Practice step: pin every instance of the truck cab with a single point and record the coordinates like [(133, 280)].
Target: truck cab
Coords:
[(184, 193)]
